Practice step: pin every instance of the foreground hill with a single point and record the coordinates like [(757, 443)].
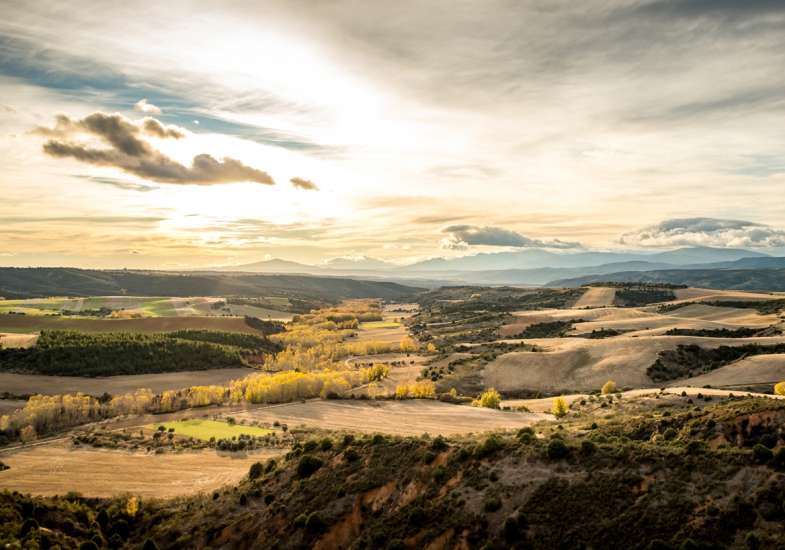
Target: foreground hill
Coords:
[(668, 476), (735, 279), (46, 281)]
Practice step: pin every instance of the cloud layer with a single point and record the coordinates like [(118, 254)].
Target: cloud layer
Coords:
[(129, 152), (460, 237), (706, 232)]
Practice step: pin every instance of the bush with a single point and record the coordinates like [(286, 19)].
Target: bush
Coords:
[(314, 523), (609, 387), (557, 449), (308, 466), (255, 471), (326, 444), (762, 453), (779, 389), (488, 447), (669, 434), (588, 447), (149, 544), (350, 455), (90, 545), (492, 503)]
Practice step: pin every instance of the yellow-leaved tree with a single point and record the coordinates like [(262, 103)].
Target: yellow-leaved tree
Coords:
[(490, 399), (779, 389), (609, 387), (559, 407)]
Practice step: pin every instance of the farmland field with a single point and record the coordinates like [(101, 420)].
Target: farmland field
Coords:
[(31, 323), (57, 468), (408, 417), (22, 384), (205, 429)]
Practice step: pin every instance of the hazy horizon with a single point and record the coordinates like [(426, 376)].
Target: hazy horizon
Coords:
[(184, 136)]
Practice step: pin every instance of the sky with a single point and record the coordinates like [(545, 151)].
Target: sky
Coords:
[(195, 134)]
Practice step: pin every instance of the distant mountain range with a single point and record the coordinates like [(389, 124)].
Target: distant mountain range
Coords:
[(525, 267), (772, 280)]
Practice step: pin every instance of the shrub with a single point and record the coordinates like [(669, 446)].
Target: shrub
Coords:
[(310, 445), (308, 466), (491, 444), (559, 407), (149, 544), (350, 455), (90, 545), (243, 500), (255, 471), (609, 387), (557, 449), (490, 399), (762, 453), (326, 444), (492, 503), (588, 447), (314, 523), (669, 434), (779, 388)]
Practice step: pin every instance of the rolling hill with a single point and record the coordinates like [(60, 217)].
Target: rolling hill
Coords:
[(733, 279), (38, 282)]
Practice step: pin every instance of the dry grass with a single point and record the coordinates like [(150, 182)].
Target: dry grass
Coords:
[(57, 468), (10, 340), (596, 296)]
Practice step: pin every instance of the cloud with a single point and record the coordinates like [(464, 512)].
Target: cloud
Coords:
[(461, 237), (143, 107), (706, 232), (301, 183), (132, 154)]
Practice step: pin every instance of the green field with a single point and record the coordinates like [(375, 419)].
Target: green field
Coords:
[(379, 324), (205, 429)]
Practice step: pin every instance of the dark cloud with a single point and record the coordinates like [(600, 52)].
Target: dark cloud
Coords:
[(706, 232), (722, 8), (462, 236), (301, 183), (131, 153)]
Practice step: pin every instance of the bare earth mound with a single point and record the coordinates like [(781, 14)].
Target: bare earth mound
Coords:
[(413, 417), (57, 468)]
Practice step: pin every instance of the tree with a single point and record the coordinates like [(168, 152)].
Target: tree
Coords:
[(779, 389), (559, 407), (490, 399), (609, 387), (431, 347)]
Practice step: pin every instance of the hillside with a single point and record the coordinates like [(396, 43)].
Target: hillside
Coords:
[(44, 281), (671, 476), (772, 280)]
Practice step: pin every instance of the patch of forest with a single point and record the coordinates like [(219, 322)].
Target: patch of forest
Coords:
[(642, 296), (70, 353), (742, 332)]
